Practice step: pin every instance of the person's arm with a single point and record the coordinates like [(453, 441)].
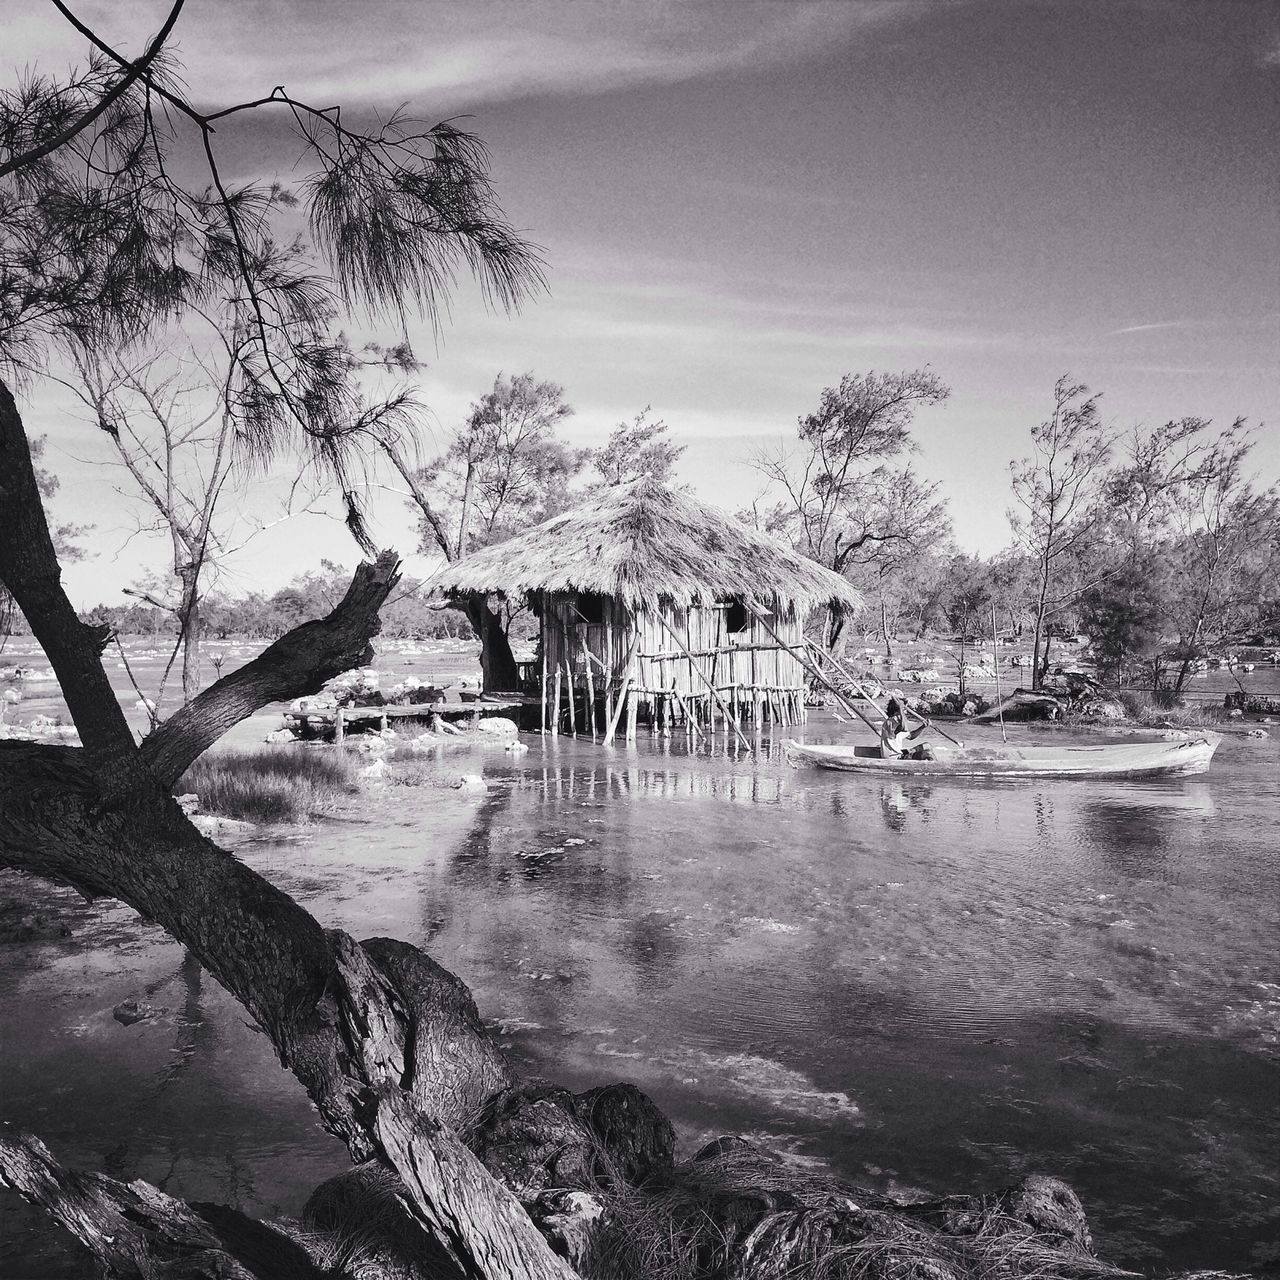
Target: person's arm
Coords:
[(924, 723)]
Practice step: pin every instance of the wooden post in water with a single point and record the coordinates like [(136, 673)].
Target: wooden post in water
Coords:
[(690, 724), (715, 694), (573, 706), (591, 688), (542, 645), (555, 709), (617, 708)]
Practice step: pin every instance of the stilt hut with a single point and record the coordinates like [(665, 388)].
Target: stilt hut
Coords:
[(656, 607)]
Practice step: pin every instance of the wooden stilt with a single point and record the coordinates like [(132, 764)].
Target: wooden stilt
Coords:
[(710, 686), (555, 709), (691, 723), (339, 727), (807, 662), (617, 708), (591, 690), (633, 704), (543, 647), (573, 706)]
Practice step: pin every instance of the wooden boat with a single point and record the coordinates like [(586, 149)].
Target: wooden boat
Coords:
[(1006, 760)]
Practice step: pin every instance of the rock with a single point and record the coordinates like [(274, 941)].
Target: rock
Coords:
[(188, 803), (376, 772), (19, 923), (970, 708), (472, 782), (517, 748), (361, 1213), (1257, 733), (12, 697), (1104, 709), (730, 1144), (533, 1141), (1050, 1206), (569, 1220), (281, 735), (212, 824), (638, 1135), (315, 703), (498, 727), (1235, 714), (132, 1010)]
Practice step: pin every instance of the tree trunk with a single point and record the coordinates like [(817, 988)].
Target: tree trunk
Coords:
[(189, 624), (836, 638), (497, 663), (29, 569)]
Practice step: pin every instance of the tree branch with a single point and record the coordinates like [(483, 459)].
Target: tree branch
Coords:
[(132, 73), (298, 663)]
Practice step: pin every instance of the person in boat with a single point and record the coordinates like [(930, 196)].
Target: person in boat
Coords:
[(896, 739)]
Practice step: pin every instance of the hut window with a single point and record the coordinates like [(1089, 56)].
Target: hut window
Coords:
[(591, 609), (736, 617)]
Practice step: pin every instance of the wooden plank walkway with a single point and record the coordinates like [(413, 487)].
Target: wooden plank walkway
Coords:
[(338, 720)]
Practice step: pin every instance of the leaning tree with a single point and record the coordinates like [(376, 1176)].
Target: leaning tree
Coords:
[(460, 1167)]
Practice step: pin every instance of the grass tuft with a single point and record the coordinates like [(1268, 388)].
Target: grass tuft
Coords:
[(1155, 711), (271, 784)]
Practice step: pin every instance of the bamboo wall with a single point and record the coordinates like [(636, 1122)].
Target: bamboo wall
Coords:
[(674, 668)]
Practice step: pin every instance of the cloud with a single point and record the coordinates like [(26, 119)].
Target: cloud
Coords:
[(391, 51), (1149, 328)]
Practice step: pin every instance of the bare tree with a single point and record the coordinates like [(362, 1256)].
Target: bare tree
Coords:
[(1059, 512), (173, 431)]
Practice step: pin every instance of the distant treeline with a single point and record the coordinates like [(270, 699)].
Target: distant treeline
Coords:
[(257, 616)]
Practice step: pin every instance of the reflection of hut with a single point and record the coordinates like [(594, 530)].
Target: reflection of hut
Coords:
[(654, 605)]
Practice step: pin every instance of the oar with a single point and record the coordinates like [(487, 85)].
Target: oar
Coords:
[(857, 684), (813, 669)]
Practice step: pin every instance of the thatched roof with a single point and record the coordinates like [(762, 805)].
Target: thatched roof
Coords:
[(643, 542)]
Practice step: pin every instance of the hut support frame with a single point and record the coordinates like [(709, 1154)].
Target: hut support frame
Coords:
[(605, 678)]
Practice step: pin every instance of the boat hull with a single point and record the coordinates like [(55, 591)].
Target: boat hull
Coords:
[(1109, 760)]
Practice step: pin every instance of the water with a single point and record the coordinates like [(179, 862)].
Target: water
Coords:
[(932, 987)]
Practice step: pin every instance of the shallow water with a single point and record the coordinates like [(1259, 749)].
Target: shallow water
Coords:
[(933, 987)]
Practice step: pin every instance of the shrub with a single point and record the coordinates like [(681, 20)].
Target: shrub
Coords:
[(1156, 710), (279, 784)]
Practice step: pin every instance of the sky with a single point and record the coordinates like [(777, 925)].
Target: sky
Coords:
[(739, 201)]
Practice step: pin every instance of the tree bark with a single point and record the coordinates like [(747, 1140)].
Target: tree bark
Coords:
[(298, 663), (497, 663), (29, 569), (139, 1233)]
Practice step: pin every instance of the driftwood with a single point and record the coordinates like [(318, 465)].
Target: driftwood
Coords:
[(1023, 704)]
